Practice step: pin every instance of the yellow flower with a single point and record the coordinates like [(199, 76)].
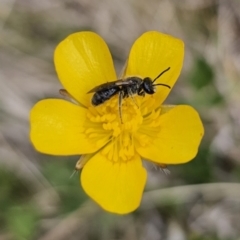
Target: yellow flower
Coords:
[(112, 150)]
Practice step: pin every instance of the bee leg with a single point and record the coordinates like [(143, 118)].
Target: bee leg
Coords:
[(142, 93), (131, 95), (120, 97)]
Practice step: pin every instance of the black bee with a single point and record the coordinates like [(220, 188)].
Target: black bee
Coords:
[(125, 88)]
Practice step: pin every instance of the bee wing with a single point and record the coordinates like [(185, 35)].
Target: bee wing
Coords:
[(106, 85), (95, 89), (121, 82)]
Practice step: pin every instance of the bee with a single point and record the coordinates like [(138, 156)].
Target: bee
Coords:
[(125, 88)]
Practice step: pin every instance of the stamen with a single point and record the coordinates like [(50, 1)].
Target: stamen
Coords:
[(104, 124)]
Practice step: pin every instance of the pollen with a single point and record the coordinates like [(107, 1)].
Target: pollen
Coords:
[(119, 125)]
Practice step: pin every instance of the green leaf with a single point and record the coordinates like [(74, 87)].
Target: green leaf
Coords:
[(21, 222), (201, 74)]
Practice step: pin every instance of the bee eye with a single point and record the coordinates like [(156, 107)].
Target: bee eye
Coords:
[(148, 86)]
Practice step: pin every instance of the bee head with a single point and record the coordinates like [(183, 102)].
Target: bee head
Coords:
[(147, 86)]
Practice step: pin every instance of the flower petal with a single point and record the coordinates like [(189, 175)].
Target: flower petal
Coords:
[(151, 54), (179, 136), (57, 128), (82, 62), (116, 186)]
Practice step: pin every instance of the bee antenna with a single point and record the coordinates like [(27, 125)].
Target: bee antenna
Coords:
[(161, 75), (161, 84)]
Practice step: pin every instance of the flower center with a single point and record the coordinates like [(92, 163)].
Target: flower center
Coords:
[(116, 125)]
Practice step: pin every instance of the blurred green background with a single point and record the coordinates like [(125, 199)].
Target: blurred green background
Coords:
[(197, 201)]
